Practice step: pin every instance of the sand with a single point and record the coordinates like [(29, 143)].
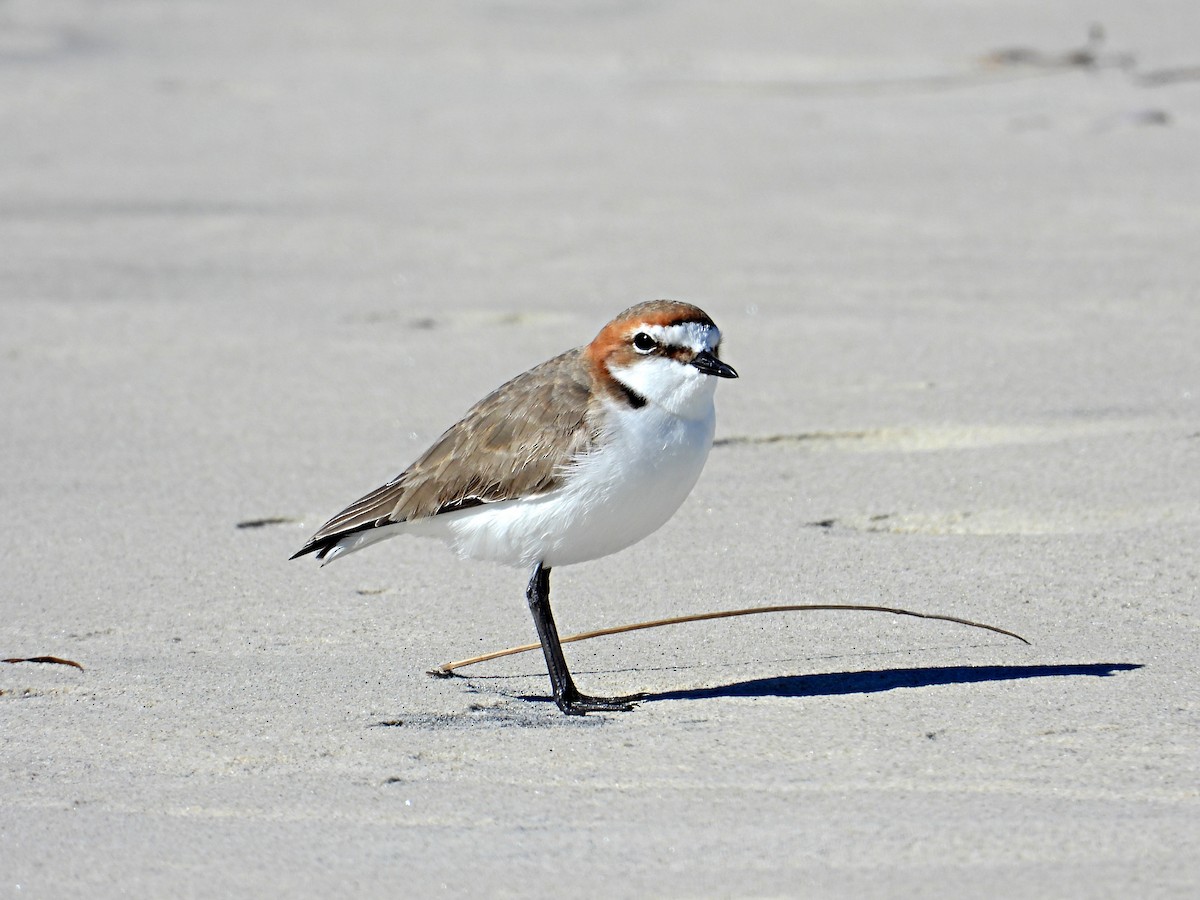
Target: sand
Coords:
[(256, 256)]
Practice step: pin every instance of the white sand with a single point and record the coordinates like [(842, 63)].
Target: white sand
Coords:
[(255, 256)]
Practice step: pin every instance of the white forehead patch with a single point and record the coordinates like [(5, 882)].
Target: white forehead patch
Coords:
[(694, 335)]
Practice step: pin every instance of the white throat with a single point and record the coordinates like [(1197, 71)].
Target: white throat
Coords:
[(677, 388)]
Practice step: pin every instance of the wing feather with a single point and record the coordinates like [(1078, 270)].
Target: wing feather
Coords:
[(515, 442)]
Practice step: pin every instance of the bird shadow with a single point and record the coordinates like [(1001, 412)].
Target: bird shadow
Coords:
[(832, 684)]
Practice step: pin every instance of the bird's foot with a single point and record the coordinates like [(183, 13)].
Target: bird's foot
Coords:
[(574, 703)]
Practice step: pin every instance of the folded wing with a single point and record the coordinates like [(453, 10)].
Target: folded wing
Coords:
[(516, 442)]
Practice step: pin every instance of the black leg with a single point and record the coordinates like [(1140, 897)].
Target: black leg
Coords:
[(566, 695)]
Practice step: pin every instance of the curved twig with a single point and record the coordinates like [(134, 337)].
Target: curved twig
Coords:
[(447, 669)]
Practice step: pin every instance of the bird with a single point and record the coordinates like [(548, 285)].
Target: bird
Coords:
[(575, 459)]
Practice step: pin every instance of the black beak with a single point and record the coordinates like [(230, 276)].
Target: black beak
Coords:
[(710, 365)]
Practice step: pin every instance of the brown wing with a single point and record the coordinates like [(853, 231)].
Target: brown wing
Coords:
[(515, 442)]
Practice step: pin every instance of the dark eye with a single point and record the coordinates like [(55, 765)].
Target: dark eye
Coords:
[(643, 343)]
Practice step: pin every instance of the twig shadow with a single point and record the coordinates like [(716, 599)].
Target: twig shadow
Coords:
[(835, 683)]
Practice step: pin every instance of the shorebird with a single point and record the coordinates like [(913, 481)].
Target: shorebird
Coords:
[(577, 458)]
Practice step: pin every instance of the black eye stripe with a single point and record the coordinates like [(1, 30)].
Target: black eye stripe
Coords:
[(646, 344)]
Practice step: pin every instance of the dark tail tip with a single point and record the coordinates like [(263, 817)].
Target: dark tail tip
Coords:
[(320, 547)]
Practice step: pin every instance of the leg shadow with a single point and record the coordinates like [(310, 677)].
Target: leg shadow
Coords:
[(834, 683)]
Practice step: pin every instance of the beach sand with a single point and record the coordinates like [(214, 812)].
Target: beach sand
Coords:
[(257, 256)]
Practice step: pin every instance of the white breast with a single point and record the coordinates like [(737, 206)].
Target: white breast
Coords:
[(644, 468)]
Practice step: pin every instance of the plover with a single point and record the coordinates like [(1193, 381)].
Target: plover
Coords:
[(577, 458)]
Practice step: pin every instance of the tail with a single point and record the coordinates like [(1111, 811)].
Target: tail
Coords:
[(329, 547), (362, 523)]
